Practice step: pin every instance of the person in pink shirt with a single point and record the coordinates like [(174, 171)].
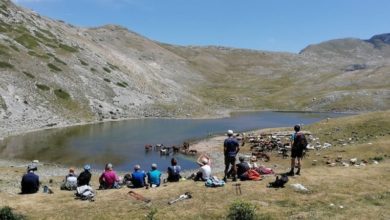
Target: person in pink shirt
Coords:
[(108, 179)]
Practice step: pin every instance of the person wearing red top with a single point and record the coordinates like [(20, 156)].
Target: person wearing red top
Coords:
[(108, 179)]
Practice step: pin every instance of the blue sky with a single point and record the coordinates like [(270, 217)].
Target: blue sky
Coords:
[(272, 25)]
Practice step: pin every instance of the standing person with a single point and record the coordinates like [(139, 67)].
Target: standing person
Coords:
[(30, 181), (154, 176), (108, 179), (230, 150), (138, 177), (299, 143), (84, 176), (174, 171)]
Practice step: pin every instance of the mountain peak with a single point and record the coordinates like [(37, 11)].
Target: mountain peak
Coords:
[(380, 40)]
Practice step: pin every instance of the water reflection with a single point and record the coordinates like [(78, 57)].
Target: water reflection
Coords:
[(122, 143)]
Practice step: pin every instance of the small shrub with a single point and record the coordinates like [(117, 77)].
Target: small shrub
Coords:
[(240, 210), (61, 94), (6, 213), (122, 84), (107, 80), (84, 63), (112, 66), (93, 69), (106, 69), (43, 87), (53, 67), (378, 158), (151, 214), (15, 48), (60, 61), (68, 48), (29, 74), (6, 65)]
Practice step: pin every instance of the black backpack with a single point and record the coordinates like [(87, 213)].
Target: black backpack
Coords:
[(300, 141), (279, 182)]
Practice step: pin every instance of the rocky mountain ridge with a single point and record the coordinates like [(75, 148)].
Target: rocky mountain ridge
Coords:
[(56, 74)]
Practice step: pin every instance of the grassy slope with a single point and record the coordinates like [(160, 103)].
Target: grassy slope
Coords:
[(362, 191)]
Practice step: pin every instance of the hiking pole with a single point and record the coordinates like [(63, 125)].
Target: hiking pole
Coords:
[(139, 197), (238, 188), (184, 196)]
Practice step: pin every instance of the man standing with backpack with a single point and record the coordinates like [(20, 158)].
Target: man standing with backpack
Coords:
[(299, 144), (230, 150)]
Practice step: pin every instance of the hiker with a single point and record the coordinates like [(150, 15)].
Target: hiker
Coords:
[(174, 171), (242, 167), (30, 181), (154, 176), (138, 177), (253, 162), (70, 181), (108, 179), (297, 150), (204, 171), (85, 176), (230, 150)]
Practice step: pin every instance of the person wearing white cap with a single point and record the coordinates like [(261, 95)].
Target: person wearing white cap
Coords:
[(84, 176), (154, 176), (30, 181), (230, 149)]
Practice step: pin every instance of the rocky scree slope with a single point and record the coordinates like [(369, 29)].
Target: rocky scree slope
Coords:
[(56, 74)]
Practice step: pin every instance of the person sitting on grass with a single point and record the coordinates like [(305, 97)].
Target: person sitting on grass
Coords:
[(138, 177), (204, 171), (154, 176), (30, 181), (174, 171), (242, 167), (85, 177), (108, 179), (70, 181)]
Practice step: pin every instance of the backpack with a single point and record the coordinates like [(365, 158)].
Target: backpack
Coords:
[(300, 141), (279, 182), (70, 183), (85, 193), (214, 182), (252, 175)]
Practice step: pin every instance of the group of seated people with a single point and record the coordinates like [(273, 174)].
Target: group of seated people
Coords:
[(108, 179)]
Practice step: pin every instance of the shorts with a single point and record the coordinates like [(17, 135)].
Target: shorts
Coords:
[(296, 152), (230, 160)]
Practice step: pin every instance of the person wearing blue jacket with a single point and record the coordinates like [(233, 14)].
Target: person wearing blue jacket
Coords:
[(30, 181)]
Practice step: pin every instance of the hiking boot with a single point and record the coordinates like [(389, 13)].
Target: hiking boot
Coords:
[(234, 179), (224, 179), (298, 172)]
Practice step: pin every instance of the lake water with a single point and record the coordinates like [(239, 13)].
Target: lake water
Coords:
[(122, 142)]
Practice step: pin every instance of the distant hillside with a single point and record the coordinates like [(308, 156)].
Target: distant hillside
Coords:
[(56, 74)]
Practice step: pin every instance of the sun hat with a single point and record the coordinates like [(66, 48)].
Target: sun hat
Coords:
[(154, 165), (109, 166), (31, 167), (205, 161), (87, 167), (137, 167), (230, 132)]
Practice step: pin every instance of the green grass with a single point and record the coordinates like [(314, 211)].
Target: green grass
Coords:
[(54, 67), (6, 65), (107, 69), (28, 74), (42, 87), (15, 48), (33, 53), (122, 84), (62, 94), (112, 66), (68, 48), (27, 41)]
